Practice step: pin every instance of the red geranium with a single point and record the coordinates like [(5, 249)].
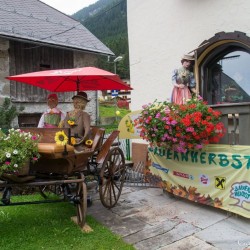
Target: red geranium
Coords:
[(180, 127)]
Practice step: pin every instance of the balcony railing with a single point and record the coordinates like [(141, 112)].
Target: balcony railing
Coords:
[(236, 119)]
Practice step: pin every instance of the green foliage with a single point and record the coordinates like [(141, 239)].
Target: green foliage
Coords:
[(110, 111), (8, 112), (43, 227), (107, 20), (107, 111)]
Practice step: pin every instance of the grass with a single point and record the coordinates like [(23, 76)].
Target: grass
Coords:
[(107, 111), (48, 226)]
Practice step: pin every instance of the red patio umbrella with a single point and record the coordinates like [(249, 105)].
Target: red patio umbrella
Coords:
[(78, 79)]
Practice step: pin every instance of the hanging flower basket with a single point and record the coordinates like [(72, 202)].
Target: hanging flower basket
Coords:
[(180, 128)]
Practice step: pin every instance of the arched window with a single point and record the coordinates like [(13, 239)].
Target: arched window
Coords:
[(225, 69)]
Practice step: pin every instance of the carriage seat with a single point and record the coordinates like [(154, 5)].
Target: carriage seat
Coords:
[(53, 150), (54, 157)]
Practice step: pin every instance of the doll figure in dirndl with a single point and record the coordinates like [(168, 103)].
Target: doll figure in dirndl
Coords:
[(183, 81)]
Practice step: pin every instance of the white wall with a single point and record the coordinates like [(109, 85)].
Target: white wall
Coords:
[(161, 31)]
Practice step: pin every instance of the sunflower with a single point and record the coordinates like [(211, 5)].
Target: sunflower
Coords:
[(71, 122), (89, 143), (61, 138), (73, 140)]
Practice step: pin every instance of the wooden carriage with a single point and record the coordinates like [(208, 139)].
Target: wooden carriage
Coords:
[(61, 170)]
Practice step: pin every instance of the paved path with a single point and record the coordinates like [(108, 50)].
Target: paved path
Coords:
[(150, 219)]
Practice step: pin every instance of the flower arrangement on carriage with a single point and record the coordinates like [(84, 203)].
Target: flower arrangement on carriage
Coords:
[(16, 149), (182, 127)]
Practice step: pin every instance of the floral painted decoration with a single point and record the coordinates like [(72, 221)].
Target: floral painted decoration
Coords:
[(16, 148), (61, 138), (182, 127)]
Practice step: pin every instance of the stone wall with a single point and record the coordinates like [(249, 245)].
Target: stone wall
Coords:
[(4, 69)]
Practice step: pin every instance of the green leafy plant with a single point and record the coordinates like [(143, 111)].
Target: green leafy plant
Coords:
[(16, 148), (180, 127), (8, 112)]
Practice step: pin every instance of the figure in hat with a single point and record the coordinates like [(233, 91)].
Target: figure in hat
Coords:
[(53, 115), (183, 81), (77, 119)]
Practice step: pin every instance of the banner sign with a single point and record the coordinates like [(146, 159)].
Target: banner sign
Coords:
[(127, 127), (218, 176)]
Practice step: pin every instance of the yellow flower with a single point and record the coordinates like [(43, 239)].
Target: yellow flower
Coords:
[(71, 123), (61, 138), (73, 140), (89, 143)]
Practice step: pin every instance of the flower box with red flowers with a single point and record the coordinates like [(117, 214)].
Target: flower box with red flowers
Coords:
[(180, 128)]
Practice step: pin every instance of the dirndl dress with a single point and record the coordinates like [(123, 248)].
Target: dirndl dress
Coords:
[(185, 77)]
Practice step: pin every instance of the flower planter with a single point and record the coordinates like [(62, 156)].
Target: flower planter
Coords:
[(21, 176), (25, 169), (180, 128), (17, 149)]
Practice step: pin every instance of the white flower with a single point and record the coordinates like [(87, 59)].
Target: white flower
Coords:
[(15, 165), (8, 155), (15, 152)]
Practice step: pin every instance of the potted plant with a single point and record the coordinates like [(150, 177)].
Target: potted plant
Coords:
[(17, 150), (182, 127)]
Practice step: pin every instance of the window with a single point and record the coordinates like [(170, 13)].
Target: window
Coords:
[(229, 78), (225, 69)]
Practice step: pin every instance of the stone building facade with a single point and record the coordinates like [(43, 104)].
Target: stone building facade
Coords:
[(35, 37)]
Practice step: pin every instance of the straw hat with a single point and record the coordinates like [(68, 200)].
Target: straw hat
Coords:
[(82, 95), (187, 57)]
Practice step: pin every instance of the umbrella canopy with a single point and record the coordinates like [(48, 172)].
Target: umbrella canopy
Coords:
[(78, 79)]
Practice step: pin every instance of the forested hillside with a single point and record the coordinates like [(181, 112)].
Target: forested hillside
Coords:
[(107, 20)]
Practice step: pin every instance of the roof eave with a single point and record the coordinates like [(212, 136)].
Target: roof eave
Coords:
[(55, 45)]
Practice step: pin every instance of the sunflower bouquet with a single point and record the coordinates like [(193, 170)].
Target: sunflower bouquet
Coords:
[(180, 128)]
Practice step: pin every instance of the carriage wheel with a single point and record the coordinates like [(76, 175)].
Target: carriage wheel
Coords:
[(81, 203), (112, 177)]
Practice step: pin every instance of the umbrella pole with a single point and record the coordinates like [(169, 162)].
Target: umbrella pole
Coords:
[(77, 84)]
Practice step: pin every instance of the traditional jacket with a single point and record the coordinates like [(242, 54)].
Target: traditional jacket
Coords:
[(51, 118), (81, 123)]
